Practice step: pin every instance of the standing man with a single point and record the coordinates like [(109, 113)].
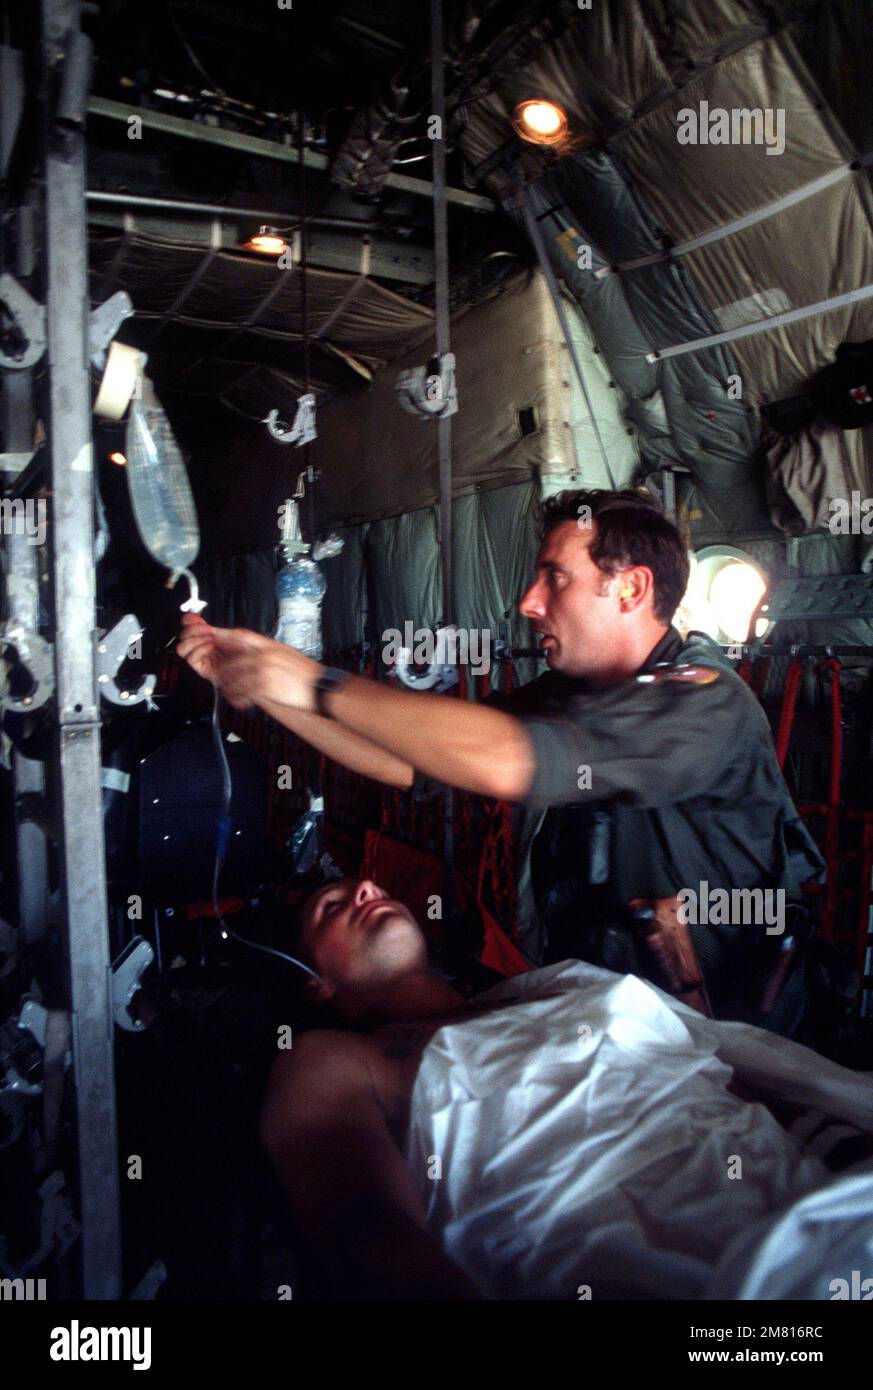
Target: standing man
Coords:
[(649, 785)]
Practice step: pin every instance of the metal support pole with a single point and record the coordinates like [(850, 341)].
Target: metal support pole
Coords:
[(443, 345), (22, 594), (441, 258), (304, 322), (669, 476), (80, 834)]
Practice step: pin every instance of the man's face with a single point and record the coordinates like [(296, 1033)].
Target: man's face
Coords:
[(572, 603), (355, 935)]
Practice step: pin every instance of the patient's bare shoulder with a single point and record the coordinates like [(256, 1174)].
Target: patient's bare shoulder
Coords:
[(326, 1054), (326, 1069)]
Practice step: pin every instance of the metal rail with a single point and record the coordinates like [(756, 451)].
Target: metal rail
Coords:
[(444, 422), (269, 149), (66, 56)]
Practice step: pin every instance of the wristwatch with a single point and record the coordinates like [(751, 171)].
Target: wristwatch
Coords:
[(332, 679)]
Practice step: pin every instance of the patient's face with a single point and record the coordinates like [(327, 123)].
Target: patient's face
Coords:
[(355, 935)]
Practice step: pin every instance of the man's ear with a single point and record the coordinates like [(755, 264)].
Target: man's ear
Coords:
[(318, 991), (635, 585)]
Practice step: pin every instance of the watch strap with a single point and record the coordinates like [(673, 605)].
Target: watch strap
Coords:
[(331, 680)]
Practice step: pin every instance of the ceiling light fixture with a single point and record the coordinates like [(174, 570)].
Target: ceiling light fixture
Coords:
[(540, 122), (267, 242)]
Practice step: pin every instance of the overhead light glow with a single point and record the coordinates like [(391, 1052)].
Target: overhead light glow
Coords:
[(267, 242), (541, 122), (118, 457)]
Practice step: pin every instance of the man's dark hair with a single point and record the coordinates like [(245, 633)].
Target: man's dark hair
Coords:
[(631, 530)]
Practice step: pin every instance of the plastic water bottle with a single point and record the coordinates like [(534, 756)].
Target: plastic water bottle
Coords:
[(160, 493), (300, 588)]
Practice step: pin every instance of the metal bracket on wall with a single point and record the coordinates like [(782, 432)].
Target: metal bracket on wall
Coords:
[(113, 649), (430, 391), (23, 342), (29, 679), (105, 322), (302, 431), (812, 599), (127, 973)]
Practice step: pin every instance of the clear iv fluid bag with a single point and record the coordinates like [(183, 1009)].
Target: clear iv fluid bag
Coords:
[(300, 588), (160, 493)]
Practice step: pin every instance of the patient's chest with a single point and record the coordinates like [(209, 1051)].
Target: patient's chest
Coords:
[(397, 1054)]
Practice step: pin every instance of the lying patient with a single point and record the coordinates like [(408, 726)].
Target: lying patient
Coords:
[(569, 1134)]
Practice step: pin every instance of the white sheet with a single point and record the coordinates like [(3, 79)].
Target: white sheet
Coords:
[(584, 1138)]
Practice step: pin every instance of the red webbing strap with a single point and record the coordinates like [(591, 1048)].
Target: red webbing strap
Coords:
[(832, 835), (786, 714), (508, 676), (463, 818), (435, 807), (496, 863), (486, 859), (224, 907), (350, 780), (745, 670), (505, 886), (865, 904), (833, 666), (169, 674), (414, 816), (753, 670)]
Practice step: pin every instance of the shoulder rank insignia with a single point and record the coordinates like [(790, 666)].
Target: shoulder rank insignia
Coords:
[(688, 675)]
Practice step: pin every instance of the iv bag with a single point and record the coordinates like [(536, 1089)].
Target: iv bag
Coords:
[(159, 490)]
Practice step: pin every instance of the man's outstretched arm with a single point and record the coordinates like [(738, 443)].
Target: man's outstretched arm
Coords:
[(352, 750), (350, 1191), (474, 747), (211, 650)]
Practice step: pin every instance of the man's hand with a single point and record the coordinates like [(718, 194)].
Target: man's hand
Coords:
[(248, 668), (374, 730)]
